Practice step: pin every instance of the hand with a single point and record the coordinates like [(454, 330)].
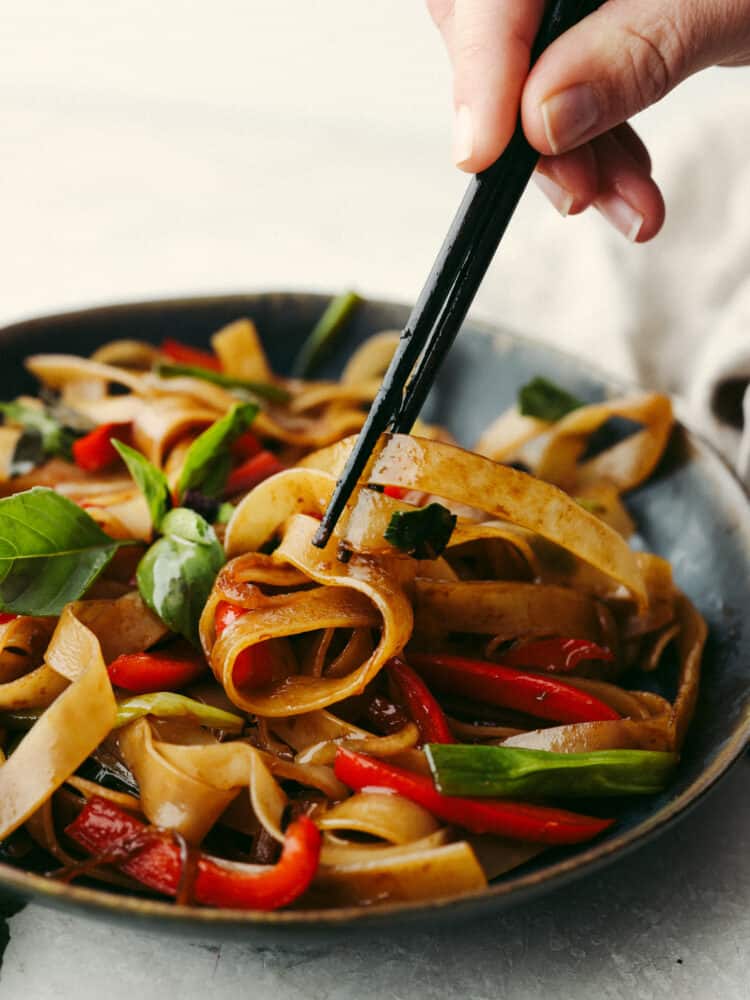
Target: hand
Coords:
[(576, 100)]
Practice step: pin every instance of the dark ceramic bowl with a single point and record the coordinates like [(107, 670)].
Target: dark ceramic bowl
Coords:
[(693, 512)]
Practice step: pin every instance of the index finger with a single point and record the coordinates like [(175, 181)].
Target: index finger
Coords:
[(489, 44)]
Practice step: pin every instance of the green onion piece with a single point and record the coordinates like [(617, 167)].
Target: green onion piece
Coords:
[(592, 506), (515, 772), (273, 393), (324, 333), (423, 533), (165, 704), (544, 400), (168, 705)]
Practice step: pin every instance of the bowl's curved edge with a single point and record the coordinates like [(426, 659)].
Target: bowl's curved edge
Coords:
[(384, 918), (513, 889)]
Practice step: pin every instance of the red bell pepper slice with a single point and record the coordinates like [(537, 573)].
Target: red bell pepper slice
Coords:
[(395, 492), (556, 655), (247, 476), (95, 452), (254, 666), (246, 445), (145, 854), (183, 354), (6, 617), (497, 684), (518, 820), (143, 673), (420, 703)]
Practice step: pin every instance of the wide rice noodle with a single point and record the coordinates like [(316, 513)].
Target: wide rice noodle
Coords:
[(85, 713)]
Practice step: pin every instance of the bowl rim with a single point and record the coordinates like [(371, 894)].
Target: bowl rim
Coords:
[(512, 888)]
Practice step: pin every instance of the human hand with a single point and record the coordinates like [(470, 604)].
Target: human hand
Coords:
[(576, 100)]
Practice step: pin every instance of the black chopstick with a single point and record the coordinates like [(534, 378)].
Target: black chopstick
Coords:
[(505, 193), (472, 240)]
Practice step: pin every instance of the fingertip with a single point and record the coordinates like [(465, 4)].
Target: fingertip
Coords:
[(463, 137), (655, 217), (479, 136), (628, 198), (535, 120), (613, 175), (575, 174), (562, 199), (489, 44)]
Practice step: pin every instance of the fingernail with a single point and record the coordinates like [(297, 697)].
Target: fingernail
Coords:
[(463, 134), (569, 116), (560, 198), (621, 215)]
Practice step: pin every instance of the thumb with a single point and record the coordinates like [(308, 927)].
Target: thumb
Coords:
[(621, 59)]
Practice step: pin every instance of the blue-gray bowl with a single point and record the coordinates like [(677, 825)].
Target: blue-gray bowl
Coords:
[(693, 512)]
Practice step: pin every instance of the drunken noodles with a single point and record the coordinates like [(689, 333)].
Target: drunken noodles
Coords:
[(197, 703)]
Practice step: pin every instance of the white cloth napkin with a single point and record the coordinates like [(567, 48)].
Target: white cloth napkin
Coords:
[(673, 314)]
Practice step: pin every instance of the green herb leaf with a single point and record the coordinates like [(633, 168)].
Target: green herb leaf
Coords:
[(51, 552), (209, 459), (169, 705), (422, 533), (226, 510), (264, 390), (54, 437), (150, 481), (518, 772), (176, 574), (544, 400), (323, 335)]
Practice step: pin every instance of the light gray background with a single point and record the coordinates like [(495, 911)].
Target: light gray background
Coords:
[(160, 149)]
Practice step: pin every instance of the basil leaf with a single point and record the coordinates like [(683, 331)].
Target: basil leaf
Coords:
[(422, 533), (321, 339), (544, 400), (209, 459), (51, 552), (176, 574), (55, 438), (265, 390), (150, 481)]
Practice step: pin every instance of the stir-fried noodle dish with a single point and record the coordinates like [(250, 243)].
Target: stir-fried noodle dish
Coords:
[(198, 704)]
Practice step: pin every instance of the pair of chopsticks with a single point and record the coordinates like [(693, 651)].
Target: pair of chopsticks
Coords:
[(466, 253)]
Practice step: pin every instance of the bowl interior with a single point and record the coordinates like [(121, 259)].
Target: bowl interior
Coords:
[(692, 512)]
